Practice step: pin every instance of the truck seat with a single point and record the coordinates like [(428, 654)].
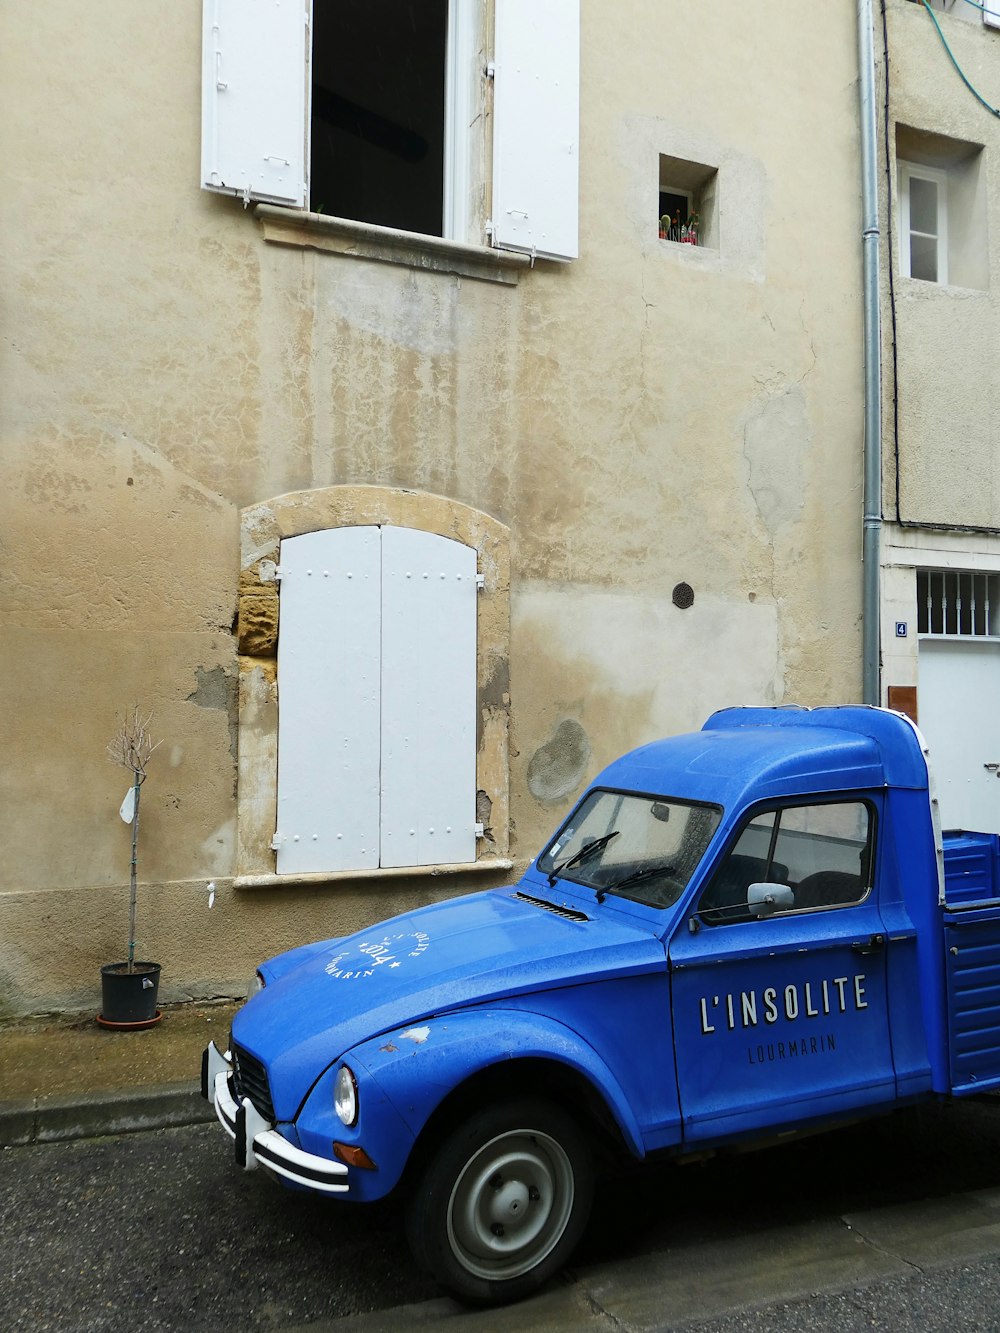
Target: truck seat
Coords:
[(828, 888)]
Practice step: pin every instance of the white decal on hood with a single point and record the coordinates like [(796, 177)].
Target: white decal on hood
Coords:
[(364, 959)]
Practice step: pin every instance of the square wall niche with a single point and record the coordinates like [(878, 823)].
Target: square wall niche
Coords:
[(687, 211), (941, 209)]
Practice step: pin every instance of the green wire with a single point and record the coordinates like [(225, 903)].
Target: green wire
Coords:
[(961, 73)]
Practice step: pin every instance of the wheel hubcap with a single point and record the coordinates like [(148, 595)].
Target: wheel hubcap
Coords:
[(510, 1204)]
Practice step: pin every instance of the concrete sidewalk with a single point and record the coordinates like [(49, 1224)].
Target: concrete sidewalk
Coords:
[(66, 1077)]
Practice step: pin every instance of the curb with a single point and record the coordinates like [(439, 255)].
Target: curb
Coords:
[(30, 1120)]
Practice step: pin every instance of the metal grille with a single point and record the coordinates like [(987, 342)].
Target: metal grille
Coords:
[(251, 1081), (958, 604), (570, 913)]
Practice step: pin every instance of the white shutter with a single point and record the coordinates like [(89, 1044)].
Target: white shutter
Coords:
[(253, 121), (991, 13), (428, 699), (328, 701), (536, 131)]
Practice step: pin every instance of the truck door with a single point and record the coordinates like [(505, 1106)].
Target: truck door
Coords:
[(780, 1010)]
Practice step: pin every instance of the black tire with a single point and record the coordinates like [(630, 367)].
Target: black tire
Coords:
[(503, 1201)]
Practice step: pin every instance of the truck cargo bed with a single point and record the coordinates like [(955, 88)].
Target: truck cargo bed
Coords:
[(972, 959)]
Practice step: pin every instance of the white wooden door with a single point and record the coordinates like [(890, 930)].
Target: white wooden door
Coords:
[(329, 660), (376, 701), (428, 699), (958, 704)]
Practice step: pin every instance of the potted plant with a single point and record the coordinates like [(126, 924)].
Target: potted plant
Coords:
[(129, 988)]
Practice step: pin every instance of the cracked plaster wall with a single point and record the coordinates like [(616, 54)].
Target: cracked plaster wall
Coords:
[(643, 416)]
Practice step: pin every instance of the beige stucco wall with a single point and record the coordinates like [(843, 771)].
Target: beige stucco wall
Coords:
[(645, 416)]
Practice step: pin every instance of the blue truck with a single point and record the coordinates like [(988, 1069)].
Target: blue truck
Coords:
[(737, 935)]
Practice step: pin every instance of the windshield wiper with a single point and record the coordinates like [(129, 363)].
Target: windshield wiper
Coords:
[(587, 850), (636, 877)]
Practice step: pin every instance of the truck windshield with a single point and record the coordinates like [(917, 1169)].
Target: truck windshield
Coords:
[(644, 848)]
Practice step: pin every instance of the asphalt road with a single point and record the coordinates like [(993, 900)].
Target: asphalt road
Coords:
[(159, 1231)]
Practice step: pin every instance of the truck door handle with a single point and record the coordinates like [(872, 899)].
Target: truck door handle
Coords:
[(872, 945)]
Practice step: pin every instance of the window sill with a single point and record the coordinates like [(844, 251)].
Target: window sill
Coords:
[(924, 287), (488, 865), (696, 254), (316, 231)]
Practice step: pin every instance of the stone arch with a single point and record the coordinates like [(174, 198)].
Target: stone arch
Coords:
[(263, 526)]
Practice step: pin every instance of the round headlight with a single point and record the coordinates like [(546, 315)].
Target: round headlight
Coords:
[(345, 1096)]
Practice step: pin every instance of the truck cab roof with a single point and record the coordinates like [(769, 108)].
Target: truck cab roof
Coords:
[(753, 754)]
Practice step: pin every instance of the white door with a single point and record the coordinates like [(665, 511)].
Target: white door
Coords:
[(428, 683), (329, 705), (376, 701), (958, 703)]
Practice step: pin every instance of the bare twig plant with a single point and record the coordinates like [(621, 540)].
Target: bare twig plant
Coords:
[(131, 748)]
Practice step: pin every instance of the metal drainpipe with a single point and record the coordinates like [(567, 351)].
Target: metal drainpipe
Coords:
[(870, 633)]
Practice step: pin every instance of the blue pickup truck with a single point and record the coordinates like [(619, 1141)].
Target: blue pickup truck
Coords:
[(744, 932)]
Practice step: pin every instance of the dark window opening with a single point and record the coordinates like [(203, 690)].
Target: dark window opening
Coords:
[(687, 202), (378, 108), (675, 214)]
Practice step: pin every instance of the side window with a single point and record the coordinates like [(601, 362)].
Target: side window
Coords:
[(821, 854)]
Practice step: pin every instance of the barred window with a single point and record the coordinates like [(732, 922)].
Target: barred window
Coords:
[(958, 603)]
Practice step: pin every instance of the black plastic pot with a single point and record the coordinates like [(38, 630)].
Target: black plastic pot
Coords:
[(129, 998)]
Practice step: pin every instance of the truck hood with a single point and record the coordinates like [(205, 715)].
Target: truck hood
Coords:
[(450, 955)]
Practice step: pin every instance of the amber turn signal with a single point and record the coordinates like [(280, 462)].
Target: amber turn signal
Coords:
[(353, 1156)]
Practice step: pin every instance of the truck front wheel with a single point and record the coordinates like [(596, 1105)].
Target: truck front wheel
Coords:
[(503, 1202)]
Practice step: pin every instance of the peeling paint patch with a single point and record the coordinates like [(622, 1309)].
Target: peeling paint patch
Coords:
[(216, 688), (560, 765), (389, 1048), (417, 1035), (496, 692), (484, 812)]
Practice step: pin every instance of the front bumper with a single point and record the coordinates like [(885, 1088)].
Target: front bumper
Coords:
[(256, 1141)]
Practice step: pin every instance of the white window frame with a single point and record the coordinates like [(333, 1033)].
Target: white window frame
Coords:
[(939, 178), (257, 147), (460, 95)]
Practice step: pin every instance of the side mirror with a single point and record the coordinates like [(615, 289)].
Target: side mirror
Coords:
[(766, 899)]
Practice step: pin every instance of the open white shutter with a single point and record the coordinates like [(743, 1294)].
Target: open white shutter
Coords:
[(253, 121), (328, 701), (428, 699), (991, 13), (536, 131)]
